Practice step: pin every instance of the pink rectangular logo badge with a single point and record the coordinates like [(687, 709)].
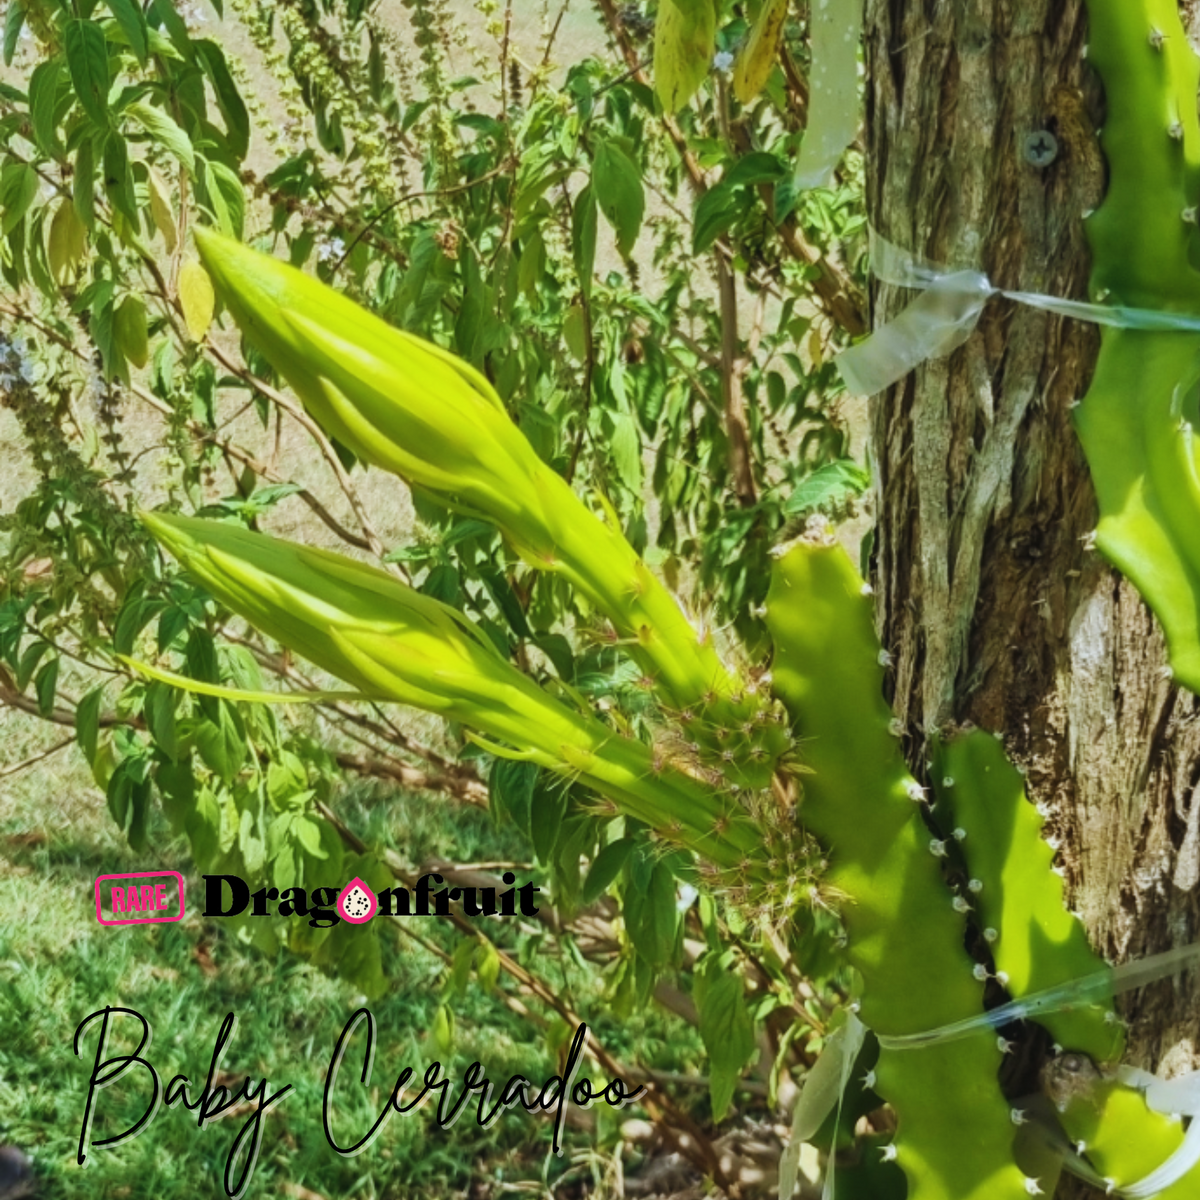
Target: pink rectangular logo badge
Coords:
[(139, 898)]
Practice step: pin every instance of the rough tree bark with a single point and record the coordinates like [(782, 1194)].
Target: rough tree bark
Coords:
[(995, 609)]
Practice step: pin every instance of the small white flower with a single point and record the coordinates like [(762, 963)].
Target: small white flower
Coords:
[(330, 249), (722, 61)]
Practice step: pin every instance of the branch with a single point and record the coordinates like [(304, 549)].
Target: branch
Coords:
[(834, 289), (737, 430)]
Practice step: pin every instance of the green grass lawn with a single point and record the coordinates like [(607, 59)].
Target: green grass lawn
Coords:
[(58, 964)]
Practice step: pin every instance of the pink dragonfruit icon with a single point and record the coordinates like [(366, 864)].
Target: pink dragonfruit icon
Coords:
[(357, 902)]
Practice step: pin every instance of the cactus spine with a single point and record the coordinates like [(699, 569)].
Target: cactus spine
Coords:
[(1136, 421), (1035, 942), (904, 934)]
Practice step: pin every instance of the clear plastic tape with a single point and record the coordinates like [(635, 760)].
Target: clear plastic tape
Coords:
[(1100, 985), (1180, 1096), (836, 26), (946, 313)]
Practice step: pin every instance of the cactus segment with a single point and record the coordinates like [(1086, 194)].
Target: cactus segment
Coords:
[(1141, 453), (1039, 944), (904, 936), (1122, 1140), (390, 642), (406, 405), (1135, 423)]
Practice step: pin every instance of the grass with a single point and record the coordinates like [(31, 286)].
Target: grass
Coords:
[(58, 965)]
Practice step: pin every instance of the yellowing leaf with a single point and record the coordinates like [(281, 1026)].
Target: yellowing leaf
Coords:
[(684, 39), (753, 67), (196, 298), (129, 331), (68, 242), (160, 210)]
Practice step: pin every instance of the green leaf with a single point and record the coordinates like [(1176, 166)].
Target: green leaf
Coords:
[(164, 12), (583, 237), (620, 193), (226, 197), (222, 743), (45, 685), (726, 1028), (43, 101), (443, 1029), (828, 488), (133, 25), (684, 41), (203, 825), (18, 187), (159, 710), (510, 790), (626, 447), (460, 967), (13, 25), (548, 808), (136, 613), (649, 908), (487, 965), (87, 723), (229, 99), (717, 210), (27, 664), (83, 186), (605, 868), (755, 167), (87, 60), (118, 179), (164, 131), (176, 783)]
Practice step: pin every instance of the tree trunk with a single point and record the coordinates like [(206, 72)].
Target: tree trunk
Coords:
[(993, 606)]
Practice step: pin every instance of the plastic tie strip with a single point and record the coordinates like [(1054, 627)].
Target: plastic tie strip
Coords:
[(1175, 1096), (1100, 985), (826, 1082), (944, 316)]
